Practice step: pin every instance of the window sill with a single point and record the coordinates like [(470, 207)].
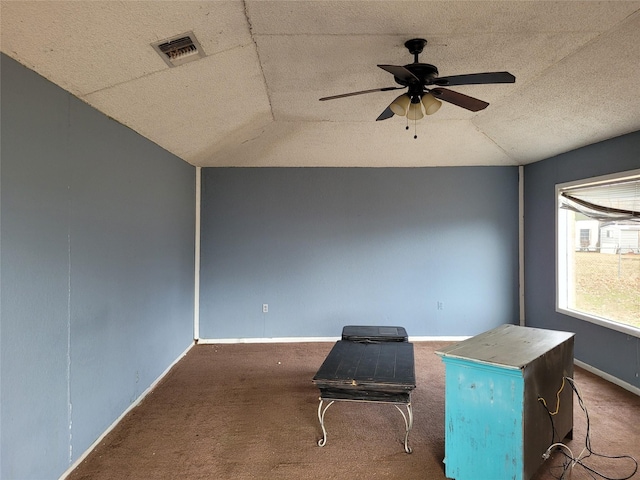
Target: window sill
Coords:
[(619, 327)]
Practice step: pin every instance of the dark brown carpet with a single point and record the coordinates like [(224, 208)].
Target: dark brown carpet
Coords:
[(250, 411)]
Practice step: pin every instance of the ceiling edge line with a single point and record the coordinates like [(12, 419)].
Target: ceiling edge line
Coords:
[(255, 45)]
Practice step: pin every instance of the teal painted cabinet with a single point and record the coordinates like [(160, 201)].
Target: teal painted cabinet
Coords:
[(496, 426)]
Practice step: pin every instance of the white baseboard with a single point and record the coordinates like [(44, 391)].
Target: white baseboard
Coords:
[(131, 407), (214, 341), (608, 377), (438, 339)]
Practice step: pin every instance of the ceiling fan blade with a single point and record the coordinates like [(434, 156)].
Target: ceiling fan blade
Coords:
[(400, 72), (388, 113), (475, 79), (385, 89), (459, 99)]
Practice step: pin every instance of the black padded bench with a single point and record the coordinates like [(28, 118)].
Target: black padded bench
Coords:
[(374, 334)]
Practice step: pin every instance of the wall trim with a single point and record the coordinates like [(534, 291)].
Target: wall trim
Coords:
[(521, 242), (123, 414), (196, 273), (215, 341), (443, 338), (608, 377)]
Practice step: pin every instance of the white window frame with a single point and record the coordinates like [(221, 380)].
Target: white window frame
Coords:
[(563, 267)]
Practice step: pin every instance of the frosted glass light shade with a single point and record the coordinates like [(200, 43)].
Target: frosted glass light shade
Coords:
[(400, 105), (415, 111), (431, 104)]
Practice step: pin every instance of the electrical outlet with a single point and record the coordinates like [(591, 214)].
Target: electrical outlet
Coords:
[(265, 308), (440, 305)]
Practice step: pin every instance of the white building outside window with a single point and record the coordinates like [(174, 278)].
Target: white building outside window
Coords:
[(598, 250)]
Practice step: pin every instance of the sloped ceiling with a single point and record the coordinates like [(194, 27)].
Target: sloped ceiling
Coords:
[(253, 99)]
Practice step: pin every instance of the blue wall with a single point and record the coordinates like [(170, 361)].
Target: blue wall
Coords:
[(325, 247), (97, 266), (610, 351)]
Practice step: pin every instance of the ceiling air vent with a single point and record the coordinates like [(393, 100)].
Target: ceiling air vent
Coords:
[(179, 49)]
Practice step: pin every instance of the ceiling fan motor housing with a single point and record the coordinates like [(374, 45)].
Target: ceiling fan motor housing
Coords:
[(424, 71)]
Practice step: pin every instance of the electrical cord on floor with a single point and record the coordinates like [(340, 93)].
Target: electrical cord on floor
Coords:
[(543, 401), (572, 460)]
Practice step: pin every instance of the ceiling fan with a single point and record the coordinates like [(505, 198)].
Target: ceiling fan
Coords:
[(419, 77)]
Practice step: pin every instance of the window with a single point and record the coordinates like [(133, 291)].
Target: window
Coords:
[(598, 250), (585, 236)]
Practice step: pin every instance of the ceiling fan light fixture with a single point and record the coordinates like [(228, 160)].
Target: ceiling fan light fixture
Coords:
[(400, 105), (431, 104), (415, 111)]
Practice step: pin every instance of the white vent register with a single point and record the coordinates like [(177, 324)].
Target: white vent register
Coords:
[(180, 49)]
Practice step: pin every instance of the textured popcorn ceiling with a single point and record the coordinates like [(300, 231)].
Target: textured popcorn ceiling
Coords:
[(253, 99)]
